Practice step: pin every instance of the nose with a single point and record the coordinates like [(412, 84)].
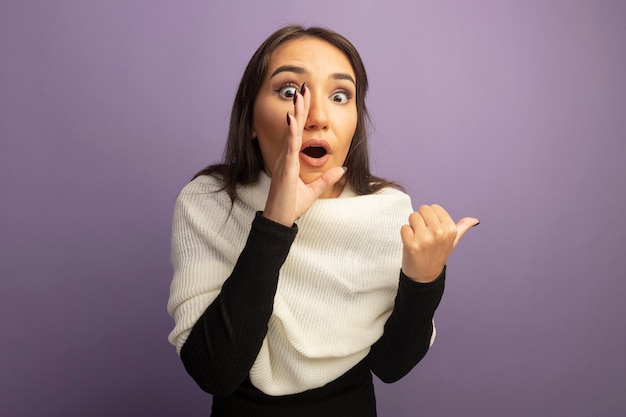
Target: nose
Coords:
[(318, 113)]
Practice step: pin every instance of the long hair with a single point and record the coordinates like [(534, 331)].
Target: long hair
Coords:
[(242, 161)]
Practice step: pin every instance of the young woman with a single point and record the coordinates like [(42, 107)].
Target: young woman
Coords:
[(297, 273)]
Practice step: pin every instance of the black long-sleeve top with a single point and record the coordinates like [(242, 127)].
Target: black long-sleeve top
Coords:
[(225, 341)]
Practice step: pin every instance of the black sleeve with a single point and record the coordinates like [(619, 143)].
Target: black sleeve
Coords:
[(225, 341), (408, 330)]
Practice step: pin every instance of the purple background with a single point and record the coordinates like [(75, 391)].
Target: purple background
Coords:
[(511, 111)]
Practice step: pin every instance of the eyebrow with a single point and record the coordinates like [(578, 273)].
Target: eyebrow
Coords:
[(300, 70), (342, 76), (289, 68)]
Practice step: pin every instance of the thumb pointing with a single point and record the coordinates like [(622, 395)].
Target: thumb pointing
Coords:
[(463, 226)]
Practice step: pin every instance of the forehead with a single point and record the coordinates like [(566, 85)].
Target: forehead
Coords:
[(313, 54)]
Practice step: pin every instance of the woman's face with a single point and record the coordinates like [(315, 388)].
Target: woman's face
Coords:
[(332, 118)]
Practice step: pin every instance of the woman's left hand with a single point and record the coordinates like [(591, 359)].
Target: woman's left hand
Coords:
[(429, 239)]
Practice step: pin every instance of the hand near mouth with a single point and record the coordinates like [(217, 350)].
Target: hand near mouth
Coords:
[(289, 197)]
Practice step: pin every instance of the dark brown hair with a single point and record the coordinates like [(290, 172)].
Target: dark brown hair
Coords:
[(243, 162)]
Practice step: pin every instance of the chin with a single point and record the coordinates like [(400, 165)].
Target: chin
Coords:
[(308, 177)]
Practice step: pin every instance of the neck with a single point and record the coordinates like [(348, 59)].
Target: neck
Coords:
[(336, 190)]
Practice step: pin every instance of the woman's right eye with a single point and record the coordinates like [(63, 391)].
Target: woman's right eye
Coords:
[(287, 91)]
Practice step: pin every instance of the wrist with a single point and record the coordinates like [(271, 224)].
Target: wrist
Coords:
[(422, 278), (283, 220)]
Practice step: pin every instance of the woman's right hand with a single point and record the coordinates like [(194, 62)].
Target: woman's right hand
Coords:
[(289, 197)]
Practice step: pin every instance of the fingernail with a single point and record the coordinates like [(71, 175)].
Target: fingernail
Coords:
[(303, 88), (295, 97), (288, 120)]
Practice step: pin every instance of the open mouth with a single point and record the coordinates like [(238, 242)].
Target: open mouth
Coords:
[(314, 151)]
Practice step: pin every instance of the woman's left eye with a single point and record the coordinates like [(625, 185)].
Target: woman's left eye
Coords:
[(287, 91), (340, 97)]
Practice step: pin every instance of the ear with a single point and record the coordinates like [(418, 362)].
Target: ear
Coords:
[(252, 132)]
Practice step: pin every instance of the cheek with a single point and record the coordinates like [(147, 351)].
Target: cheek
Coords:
[(268, 122), (270, 130), (348, 130)]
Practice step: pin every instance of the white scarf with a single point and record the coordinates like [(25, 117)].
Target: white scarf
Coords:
[(336, 288)]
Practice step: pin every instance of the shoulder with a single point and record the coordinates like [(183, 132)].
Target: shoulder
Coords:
[(394, 194), (202, 195), (391, 191), (203, 188), (201, 185)]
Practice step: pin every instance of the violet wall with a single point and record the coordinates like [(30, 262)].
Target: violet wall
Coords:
[(511, 111)]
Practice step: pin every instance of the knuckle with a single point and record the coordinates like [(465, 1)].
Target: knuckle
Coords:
[(413, 247), (428, 239)]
